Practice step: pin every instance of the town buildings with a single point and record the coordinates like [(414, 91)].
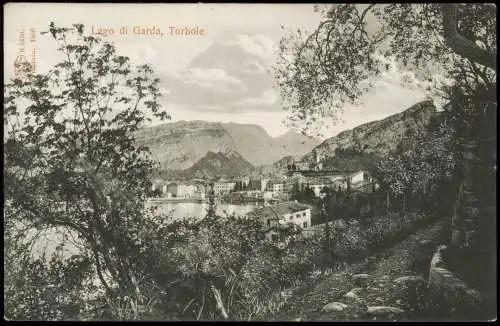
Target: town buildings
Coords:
[(265, 189)]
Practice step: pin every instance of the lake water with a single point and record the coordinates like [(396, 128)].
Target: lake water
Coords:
[(49, 239), (199, 210)]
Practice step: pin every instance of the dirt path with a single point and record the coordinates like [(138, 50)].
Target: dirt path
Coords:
[(394, 279)]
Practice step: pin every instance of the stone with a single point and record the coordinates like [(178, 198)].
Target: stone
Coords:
[(334, 306), (409, 279), (361, 276), (356, 290), (351, 295), (383, 310), (361, 279)]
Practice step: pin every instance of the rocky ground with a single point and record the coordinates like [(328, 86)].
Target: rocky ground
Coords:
[(389, 286)]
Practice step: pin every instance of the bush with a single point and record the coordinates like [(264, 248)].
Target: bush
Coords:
[(41, 289), (351, 239)]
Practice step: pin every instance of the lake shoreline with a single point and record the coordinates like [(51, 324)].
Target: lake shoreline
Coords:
[(175, 200)]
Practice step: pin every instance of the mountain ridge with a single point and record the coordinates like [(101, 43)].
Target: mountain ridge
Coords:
[(378, 137), (179, 145)]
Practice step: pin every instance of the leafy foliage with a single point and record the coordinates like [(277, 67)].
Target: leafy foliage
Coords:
[(56, 291), (71, 159), (321, 72), (424, 161)]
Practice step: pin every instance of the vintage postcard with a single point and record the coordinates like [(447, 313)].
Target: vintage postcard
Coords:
[(253, 162)]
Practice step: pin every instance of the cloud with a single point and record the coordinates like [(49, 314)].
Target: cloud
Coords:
[(212, 107), (215, 79), (268, 99), (232, 73), (259, 45), (139, 52)]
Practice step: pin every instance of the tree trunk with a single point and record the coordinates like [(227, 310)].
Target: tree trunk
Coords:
[(404, 201), (388, 201), (460, 44), (465, 210)]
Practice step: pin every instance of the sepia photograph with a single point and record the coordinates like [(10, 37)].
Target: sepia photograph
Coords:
[(250, 162)]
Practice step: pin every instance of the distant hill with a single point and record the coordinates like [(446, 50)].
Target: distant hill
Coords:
[(220, 164), (179, 145)]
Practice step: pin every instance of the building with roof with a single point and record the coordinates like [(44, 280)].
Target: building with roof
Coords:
[(277, 187), (318, 187), (302, 166), (296, 179), (357, 176), (285, 213), (181, 189), (223, 187)]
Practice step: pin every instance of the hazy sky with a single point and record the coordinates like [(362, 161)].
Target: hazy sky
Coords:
[(221, 75)]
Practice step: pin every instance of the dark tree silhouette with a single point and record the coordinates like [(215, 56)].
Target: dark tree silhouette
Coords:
[(212, 208)]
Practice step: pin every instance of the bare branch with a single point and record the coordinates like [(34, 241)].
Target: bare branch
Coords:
[(218, 299), (365, 11)]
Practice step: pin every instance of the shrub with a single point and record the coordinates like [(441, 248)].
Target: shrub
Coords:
[(41, 289)]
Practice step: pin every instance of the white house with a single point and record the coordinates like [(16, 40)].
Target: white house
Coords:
[(301, 166), (245, 181), (267, 195), (317, 184), (224, 187), (276, 187), (317, 187), (298, 180), (263, 183), (285, 213), (357, 176), (180, 189)]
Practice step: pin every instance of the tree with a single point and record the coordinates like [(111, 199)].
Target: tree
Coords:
[(421, 162), (328, 243), (71, 160), (237, 187), (320, 73), (308, 195), (326, 193), (212, 208), (156, 193)]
